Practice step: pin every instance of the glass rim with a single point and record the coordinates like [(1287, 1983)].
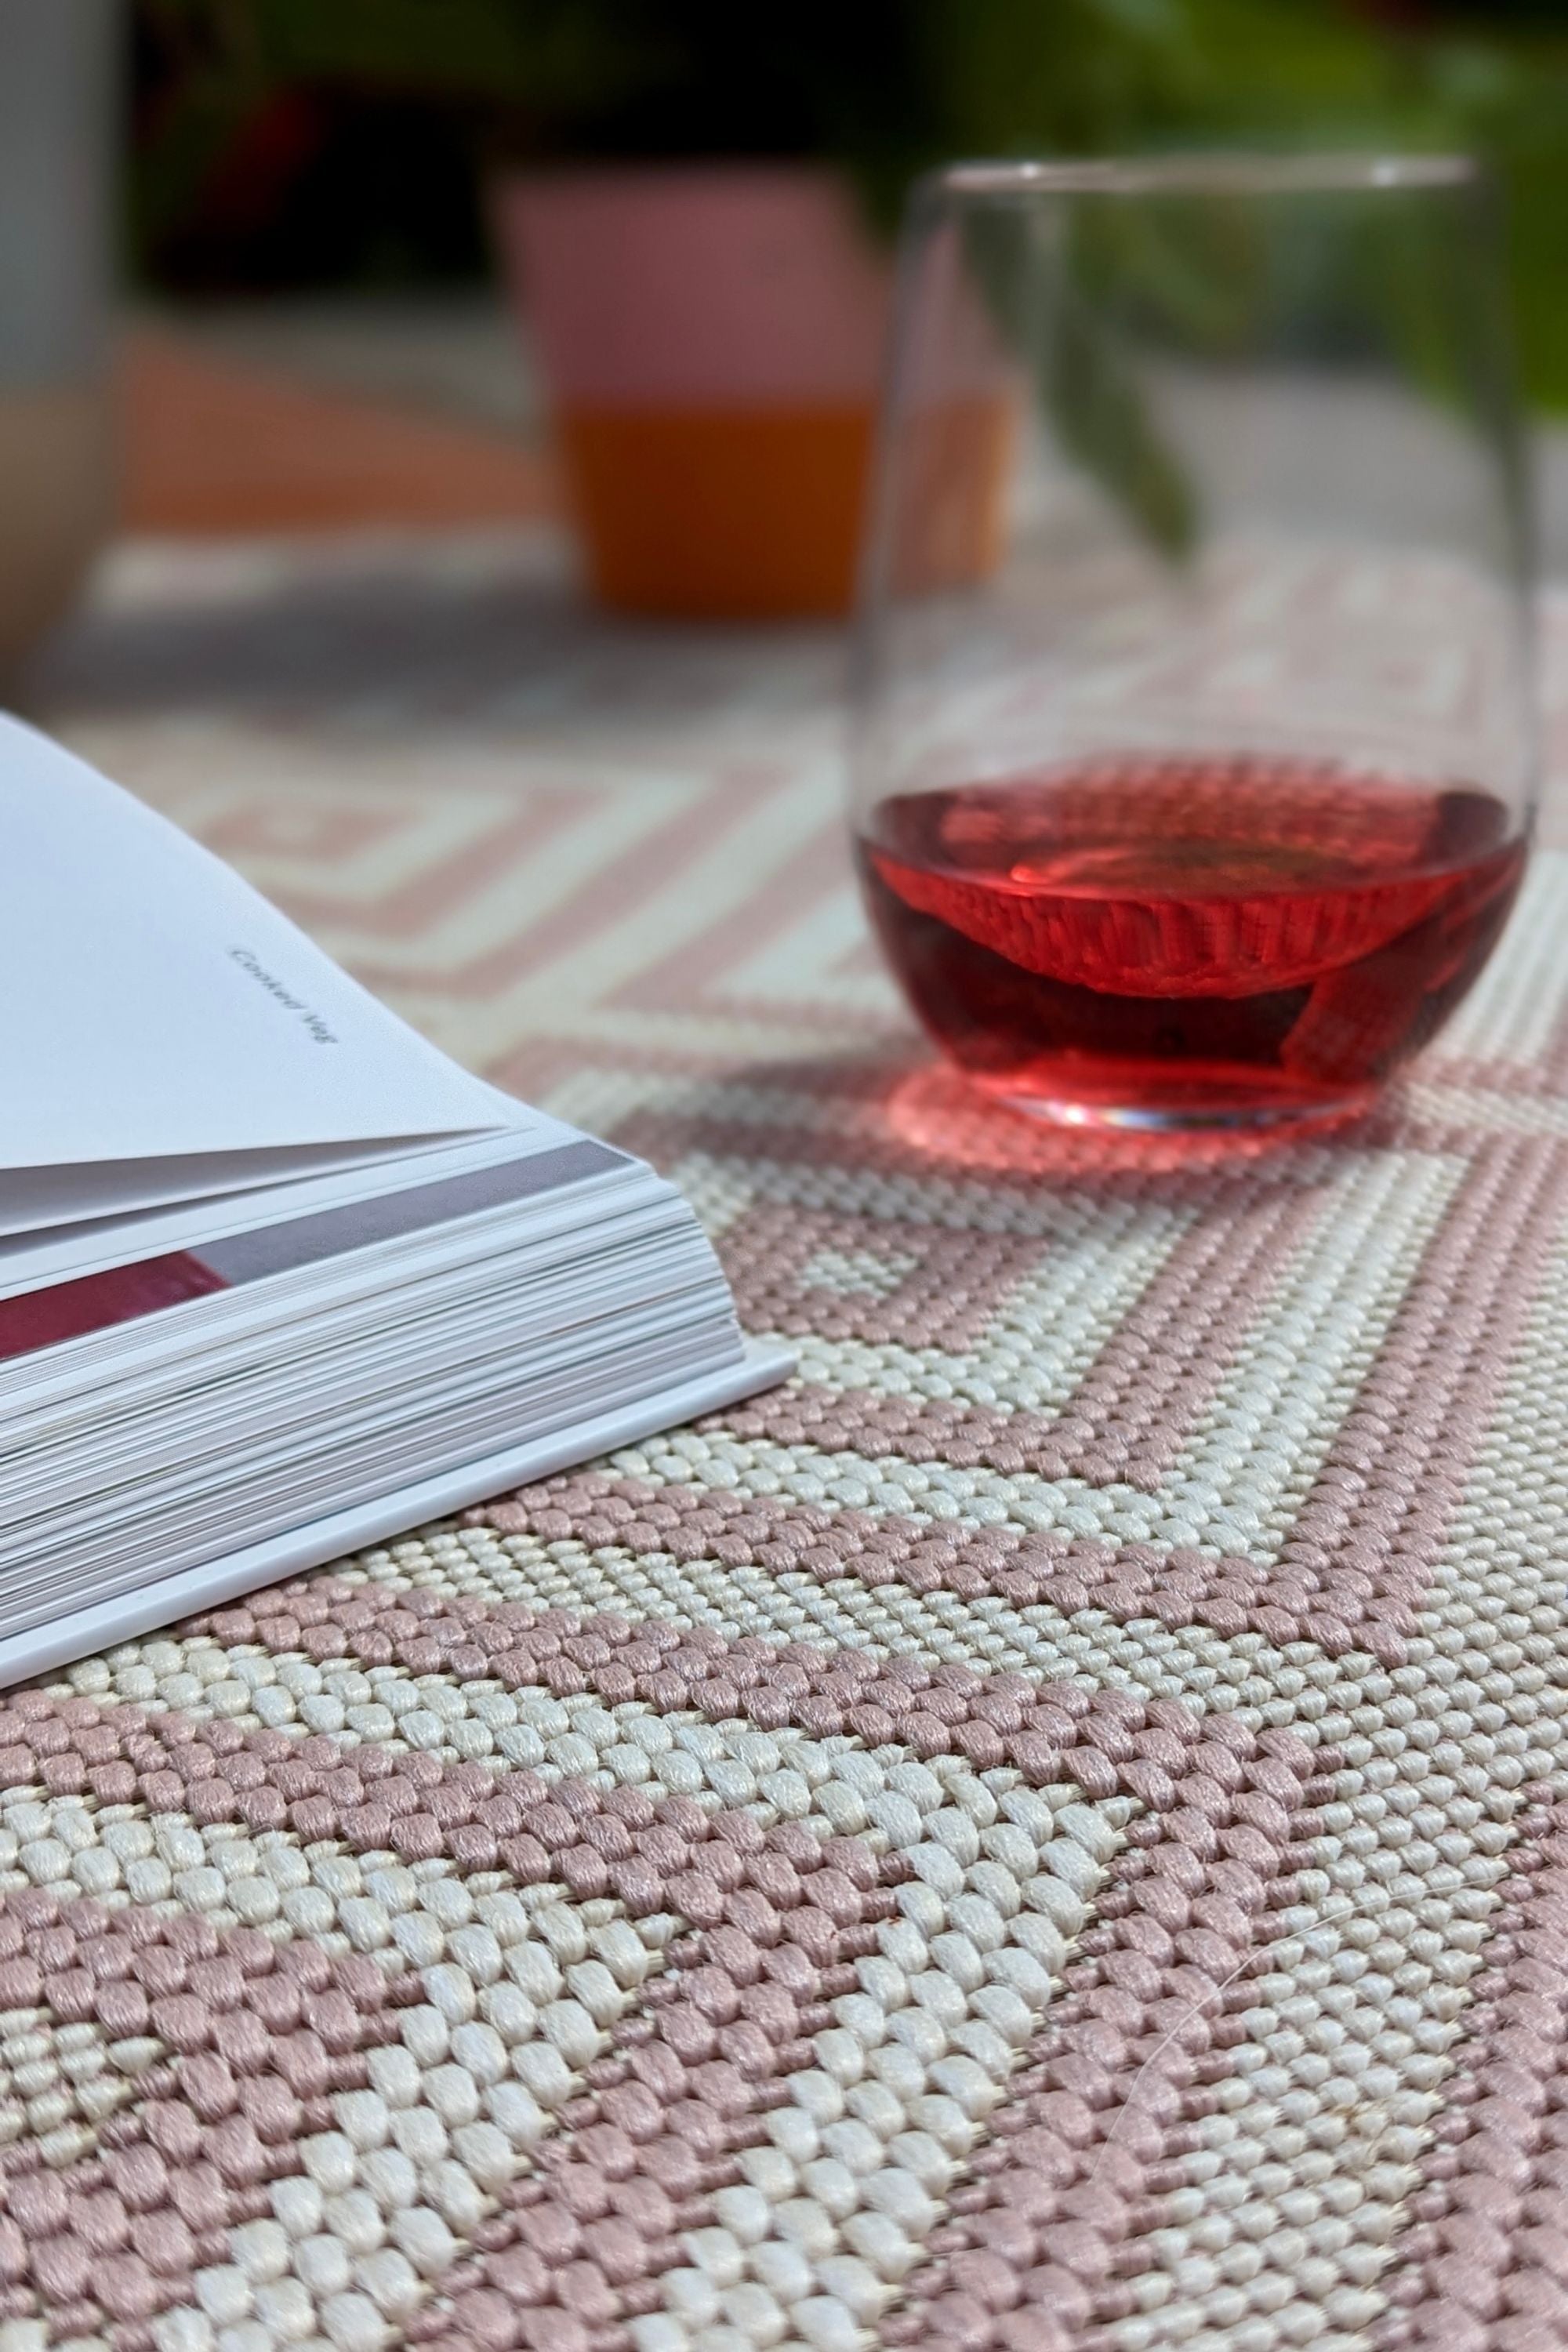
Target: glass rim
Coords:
[(1216, 172)]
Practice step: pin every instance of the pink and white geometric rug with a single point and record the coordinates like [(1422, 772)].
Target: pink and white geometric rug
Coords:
[(1049, 1833)]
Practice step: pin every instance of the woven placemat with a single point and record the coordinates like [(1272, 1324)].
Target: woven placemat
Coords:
[(1050, 1832)]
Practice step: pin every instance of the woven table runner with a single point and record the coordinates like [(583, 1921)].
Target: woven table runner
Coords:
[(1049, 1833)]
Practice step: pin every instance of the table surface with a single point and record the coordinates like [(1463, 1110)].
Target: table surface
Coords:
[(1049, 1832)]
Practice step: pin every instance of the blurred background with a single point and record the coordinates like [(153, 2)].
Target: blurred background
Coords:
[(614, 269)]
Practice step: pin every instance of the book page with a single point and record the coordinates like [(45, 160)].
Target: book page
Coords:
[(37, 1248), (154, 1007)]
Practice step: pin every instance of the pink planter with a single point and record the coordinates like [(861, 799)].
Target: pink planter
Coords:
[(712, 341)]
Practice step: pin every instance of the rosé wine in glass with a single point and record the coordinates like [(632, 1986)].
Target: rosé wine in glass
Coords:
[(1205, 804)]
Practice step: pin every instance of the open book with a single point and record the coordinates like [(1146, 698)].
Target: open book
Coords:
[(276, 1278)]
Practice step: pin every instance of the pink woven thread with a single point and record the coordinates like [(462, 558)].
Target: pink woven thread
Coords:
[(1483, 2264)]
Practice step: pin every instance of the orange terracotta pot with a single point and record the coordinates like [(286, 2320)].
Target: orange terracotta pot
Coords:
[(711, 343)]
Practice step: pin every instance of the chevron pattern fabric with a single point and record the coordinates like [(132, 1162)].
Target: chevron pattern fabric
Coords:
[(1047, 1833)]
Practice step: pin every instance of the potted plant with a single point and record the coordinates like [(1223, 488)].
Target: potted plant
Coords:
[(703, 251), (692, 200)]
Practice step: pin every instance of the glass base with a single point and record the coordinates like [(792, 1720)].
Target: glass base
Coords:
[(1195, 1114), (938, 1111)]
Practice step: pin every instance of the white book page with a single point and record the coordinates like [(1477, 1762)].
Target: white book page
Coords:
[(40, 1199), (34, 1255), (153, 1007)]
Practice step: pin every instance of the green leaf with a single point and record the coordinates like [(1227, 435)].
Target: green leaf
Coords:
[(1099, 414)]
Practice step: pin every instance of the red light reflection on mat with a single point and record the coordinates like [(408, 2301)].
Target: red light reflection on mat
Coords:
[(41, 1318)]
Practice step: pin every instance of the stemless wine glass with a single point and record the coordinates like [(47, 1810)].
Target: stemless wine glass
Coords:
[(1194, 750)]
